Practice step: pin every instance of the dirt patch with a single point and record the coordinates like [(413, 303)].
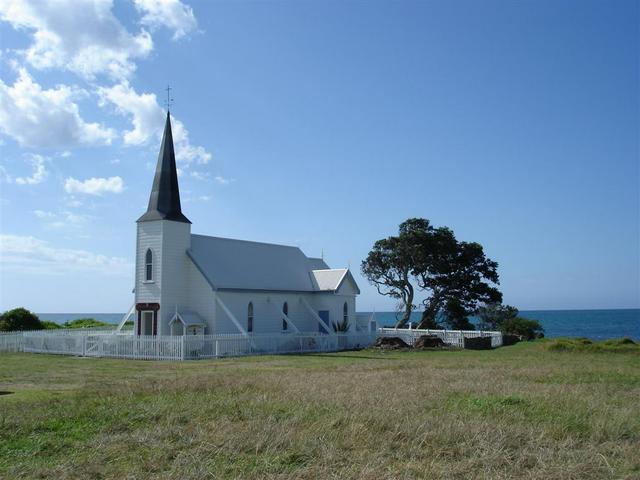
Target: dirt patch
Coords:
[(390, 343), (429, 341)]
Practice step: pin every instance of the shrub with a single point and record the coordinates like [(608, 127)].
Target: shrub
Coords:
[(19, 319), (49, 325), (616, 342), (524, 327), (342, 326), (86, 323)]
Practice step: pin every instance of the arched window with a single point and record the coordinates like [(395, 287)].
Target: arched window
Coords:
[(148, 261), (250, 317), (285, 310), (345, 313)]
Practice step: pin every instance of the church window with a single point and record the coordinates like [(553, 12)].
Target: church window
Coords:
[(250, 317), (148, 261), (345, 313), (285, 310)]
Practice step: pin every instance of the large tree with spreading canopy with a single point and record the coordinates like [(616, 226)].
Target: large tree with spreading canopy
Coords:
[(455, 278)]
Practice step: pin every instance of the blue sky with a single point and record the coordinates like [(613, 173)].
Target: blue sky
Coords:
[(323, 125)]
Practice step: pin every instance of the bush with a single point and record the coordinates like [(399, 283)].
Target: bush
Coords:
[(49, 325), (524, 327), (86, 323), (19, 319)]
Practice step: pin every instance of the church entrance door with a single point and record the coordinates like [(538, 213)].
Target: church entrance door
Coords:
[(147, 323)]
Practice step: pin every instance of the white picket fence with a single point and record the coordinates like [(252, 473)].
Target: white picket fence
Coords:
[(189, 347), (107, 343), (454, 338)]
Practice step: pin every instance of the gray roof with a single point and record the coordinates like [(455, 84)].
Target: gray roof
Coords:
[(189, 319), (164, 201), (244, 265), (317, 263)]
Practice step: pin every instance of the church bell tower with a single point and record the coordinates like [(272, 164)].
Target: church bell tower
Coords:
[(163, 237)]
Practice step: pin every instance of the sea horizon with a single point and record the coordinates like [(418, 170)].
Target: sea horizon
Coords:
[(596, 324)]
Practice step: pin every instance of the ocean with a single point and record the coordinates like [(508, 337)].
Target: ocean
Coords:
[(593, 324)]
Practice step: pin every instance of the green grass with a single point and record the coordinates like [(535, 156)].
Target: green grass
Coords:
[(619, 345), (527, 411)]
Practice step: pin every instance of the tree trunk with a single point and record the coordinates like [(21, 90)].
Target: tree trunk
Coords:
[(408, 306), (428, 319)]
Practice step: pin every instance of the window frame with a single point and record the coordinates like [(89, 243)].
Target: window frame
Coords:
[(148, 266), (250, 317), (285, 311)]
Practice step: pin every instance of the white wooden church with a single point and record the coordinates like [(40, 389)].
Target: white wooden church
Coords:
[(188, 284)]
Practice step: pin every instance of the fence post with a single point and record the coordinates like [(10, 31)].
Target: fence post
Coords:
[(184, 346)]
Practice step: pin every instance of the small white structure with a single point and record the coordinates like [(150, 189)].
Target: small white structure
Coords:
[(188, 284)]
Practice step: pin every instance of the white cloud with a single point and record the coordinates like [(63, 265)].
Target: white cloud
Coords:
[(63, 219), (82, 36), (42, 214), (94, 186), (32, 255), (146, 115), (46, 118), (172, 14), (39, 171), (148, 120), (204, 176), (204, 198), (4, 175), (223, 181)]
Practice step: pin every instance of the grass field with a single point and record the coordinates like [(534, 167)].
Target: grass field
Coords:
[(517, 412)]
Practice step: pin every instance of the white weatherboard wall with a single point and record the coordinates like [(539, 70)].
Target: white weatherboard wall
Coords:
[(268, 305), (149, 235), (169, 287), (176, 239), (201, 297), (266, 311)]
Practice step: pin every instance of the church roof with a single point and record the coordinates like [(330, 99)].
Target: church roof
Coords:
[(330, 279), (317, 263), (189, 319), (164, 202), (244, 265)]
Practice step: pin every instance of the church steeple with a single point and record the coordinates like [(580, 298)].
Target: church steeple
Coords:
[(164, 202)]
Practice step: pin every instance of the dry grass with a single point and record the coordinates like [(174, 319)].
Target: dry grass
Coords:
[(516, 412)]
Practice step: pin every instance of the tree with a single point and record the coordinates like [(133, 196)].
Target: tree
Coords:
[(432, 261), (455, 274), (388, 267), (495, 314), (455, 316), (19, 319)]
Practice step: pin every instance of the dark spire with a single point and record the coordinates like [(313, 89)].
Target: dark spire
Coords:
[(164, 202)]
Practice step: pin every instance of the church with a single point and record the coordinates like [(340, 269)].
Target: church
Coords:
[(188, 284)]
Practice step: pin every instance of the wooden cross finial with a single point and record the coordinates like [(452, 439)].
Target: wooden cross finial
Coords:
[(169, 100)]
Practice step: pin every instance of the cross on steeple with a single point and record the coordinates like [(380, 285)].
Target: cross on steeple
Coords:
[(169, 100)]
